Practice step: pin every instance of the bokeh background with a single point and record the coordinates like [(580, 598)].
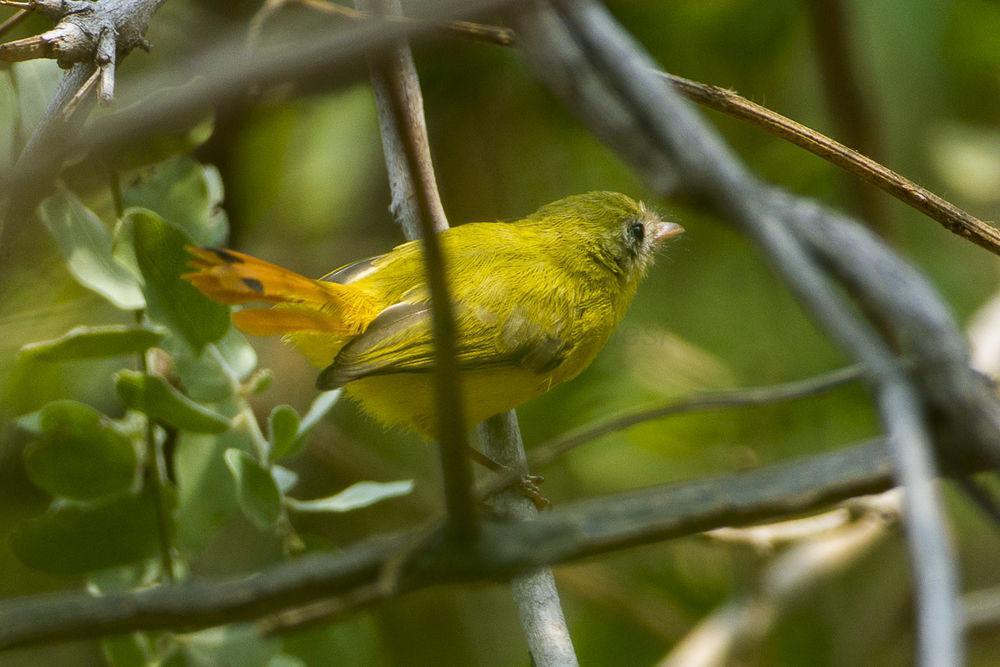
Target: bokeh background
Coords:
[(305, 187)]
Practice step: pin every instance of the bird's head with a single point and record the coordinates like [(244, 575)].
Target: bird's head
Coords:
[(612, 229)]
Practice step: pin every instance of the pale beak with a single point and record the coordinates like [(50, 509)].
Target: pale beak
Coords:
[(665, 230)]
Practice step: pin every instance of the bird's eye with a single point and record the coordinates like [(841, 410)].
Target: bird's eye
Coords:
[(637, 231)]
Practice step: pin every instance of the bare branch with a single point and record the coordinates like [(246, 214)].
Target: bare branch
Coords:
[(586, 43), (417, 206), (13, 21), (506, 548), (415, 198)]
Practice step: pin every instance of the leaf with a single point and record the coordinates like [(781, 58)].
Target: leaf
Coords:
[(92, 342), (35, 82), (86, 245), (154, 396), (353, 497), (321, 405), (256, 491), (210, 374), (283, 432), (74, 539), (161, 257), (80, 454), (131, 650), (186, 194)]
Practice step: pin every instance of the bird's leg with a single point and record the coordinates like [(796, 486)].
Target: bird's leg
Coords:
[(528, 484)]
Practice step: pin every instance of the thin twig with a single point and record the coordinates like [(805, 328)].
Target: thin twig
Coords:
[(417, 206), (13, 21), (857, 162), (478, 31)]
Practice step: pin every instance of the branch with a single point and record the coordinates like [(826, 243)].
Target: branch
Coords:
[(951, 217), (417, 205), (477, 31), (584, 43), (415, 200), (570, 532)]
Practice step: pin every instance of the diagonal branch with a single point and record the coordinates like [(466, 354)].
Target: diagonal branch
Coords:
[(584, 42)]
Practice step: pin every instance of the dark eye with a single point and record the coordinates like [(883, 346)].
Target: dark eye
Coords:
[(637, 231)]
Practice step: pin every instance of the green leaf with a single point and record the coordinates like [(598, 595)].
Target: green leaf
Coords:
[(91, 342), (285, 479), (321, 405), (35, 82), (353, 497), (173, 302), (188, 195), (158, 399), (212, 374), (74, 539), (86, 245), (81, 455), (256, 490), (283, 432)]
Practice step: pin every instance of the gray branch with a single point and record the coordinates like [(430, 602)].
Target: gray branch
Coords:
[(506, 549), (535, 593), (587, 59)]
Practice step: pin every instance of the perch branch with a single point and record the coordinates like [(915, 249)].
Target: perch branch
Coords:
[(505, 549), (411, 178), (417, 205)]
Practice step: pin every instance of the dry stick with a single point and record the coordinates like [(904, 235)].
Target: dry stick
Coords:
[(678, 137), (417, 204), (951, 217), (13, 21), (846, 97), (535, 594)]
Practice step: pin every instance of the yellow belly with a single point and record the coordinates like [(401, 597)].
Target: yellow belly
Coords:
[(407, 399)]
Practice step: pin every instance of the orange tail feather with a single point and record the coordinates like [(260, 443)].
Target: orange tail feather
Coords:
[(233, 277)]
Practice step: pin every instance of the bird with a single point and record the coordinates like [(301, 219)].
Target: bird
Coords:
[(534, 301)]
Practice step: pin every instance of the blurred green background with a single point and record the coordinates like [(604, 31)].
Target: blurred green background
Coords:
[(305, 187)]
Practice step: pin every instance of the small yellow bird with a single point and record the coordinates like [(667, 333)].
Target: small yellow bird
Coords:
[(535, 300)]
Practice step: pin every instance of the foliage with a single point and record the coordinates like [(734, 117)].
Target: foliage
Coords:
[(109, 363)]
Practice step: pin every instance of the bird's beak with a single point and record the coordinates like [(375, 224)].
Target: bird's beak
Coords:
[(665, 230)]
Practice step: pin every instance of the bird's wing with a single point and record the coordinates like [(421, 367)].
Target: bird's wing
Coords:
[(400, 340)]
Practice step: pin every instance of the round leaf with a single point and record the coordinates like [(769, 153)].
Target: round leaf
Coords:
[(86, 244), (256, 491), (173, 302), (283, 432), (74, 539), (80, 454)]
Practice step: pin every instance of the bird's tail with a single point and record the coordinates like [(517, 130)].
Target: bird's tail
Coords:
[(301, 305)]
